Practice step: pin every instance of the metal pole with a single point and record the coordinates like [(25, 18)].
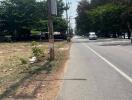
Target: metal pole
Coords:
[(51, 32)]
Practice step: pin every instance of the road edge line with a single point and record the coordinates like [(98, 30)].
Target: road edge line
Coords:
[(109, 63)]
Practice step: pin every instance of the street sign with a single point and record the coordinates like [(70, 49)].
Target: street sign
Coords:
[(54, 7)]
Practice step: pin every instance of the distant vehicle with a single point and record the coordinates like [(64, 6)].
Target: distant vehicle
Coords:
[(92, 36)]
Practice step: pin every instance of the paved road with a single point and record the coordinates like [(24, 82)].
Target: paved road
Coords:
[(98, 70)]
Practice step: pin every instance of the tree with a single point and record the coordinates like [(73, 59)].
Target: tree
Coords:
[(82, 21), (105, 17), (19, 17), (59, 23), (96, 3), (60, 8), (126, 18)]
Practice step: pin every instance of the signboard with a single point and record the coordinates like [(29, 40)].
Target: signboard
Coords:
[(54, 7)]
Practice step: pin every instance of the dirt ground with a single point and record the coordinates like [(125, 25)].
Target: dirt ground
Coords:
[(16, 84)]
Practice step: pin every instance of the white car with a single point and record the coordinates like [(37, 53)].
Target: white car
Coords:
[(92, 36)]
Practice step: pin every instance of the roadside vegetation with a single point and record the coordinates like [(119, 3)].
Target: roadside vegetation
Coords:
[(108, 18), (19, 19), (25, 65), (16, 68)]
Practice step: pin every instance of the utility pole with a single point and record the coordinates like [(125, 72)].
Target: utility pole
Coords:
[(67, 18), (67, 7), (52, 10)]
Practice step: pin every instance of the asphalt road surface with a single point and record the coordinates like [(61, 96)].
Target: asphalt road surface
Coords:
[(98, 70)]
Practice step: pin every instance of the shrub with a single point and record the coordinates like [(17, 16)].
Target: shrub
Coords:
[(23, 61), (37, 52)]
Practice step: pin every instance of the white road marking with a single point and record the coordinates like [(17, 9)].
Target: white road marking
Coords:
[(111, 65)]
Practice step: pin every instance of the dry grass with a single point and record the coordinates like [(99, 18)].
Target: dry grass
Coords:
[(10, 65), (11, 69)]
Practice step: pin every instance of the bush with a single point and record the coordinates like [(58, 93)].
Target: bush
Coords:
[(23, 61), (37, 52)]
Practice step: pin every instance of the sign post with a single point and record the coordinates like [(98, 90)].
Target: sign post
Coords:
[(52, 11)]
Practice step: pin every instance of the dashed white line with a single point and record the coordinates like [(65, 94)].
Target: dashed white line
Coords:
[(111, 65)]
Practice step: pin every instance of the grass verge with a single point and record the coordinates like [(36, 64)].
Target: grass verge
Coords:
[(26, 81)]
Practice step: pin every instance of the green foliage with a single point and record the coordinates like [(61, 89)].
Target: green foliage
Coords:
[(60, 24), (34, 43), (42, 25), (37, 52), (34, 32), (60, 8), (23, 61), (82, 20), (19, 17), (105, 17), (96, 3)]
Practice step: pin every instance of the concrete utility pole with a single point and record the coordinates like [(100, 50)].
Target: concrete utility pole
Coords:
[(52, 10), (67, 7), (67, 18)]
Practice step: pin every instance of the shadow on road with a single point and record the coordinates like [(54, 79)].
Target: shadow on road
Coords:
[(70, 79), (77, 41), (116, 44)]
